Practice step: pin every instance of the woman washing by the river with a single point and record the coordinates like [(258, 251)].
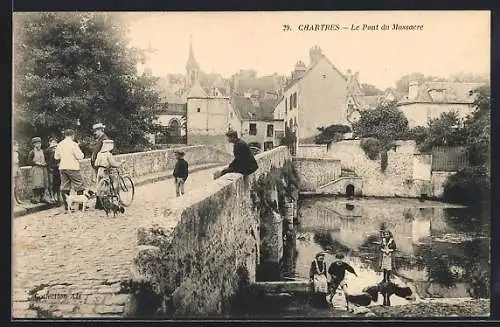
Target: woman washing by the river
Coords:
[(318, 278), (387, 248)]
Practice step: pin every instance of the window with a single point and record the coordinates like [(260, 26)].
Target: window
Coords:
[(286, 105), (231, 115), (291, 102), (253, 129), (198, 109), (270, 130), (295, 100), (268, 145)]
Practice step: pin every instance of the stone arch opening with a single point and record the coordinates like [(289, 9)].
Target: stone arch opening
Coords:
[(174, 128), (349, 190)]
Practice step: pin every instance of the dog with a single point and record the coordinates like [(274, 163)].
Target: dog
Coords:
[(80, 199), (390, 288), (363, 299), (112, 204)]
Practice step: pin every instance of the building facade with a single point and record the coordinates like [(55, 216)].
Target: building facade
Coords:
[(428, 100), (314, 97)]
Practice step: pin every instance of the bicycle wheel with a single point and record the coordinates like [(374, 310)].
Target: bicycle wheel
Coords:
[(104, 192), (126, 190)]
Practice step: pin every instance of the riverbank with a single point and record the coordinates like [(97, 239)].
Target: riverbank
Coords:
[(436, 308)]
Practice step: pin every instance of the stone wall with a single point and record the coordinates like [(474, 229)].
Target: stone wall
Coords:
[(397, 180), (438, 178), (142, 163), (198, 265), (341, 185), (312, 150), (315, 172)]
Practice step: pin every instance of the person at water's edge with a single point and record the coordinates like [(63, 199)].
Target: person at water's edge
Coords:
[(244, 161), (96, 147), (337, 272)]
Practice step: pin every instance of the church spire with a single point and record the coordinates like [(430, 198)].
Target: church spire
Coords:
[(191, 63)]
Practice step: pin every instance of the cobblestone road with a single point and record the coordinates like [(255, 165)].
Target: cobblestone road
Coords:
[(85, 249)]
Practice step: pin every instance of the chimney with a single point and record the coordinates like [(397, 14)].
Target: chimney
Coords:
[(315, 54), (413, 90), (300, 69)]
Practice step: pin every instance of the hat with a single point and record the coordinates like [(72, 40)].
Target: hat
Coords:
[(232, 134), (181, 153), (98, 126), (36, 140)]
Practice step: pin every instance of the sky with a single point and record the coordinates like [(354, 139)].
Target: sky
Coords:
[(226, 42)]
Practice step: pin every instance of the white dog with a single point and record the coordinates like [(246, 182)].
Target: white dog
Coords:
[(82, 199)]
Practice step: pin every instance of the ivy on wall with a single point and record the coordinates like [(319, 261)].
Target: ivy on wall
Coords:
[(285, 181)]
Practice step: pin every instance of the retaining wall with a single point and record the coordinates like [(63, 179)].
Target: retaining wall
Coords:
[(315, 172), (199, 264)]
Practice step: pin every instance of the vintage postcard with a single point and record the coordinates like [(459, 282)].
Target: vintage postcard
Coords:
[(257, 165)]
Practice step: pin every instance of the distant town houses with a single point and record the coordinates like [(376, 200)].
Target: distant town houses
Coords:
[(427, 100), (261, 109)]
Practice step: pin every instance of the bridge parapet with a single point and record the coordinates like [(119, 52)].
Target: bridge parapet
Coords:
[(208, 241), (140, 163)]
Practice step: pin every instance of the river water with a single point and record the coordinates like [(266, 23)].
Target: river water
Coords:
[(442, 249)]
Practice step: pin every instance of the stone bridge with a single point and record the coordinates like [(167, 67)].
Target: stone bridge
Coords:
[(90, 265)]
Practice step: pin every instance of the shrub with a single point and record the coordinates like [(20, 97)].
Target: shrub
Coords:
[(470, 186), (371, 146), (331, 133)]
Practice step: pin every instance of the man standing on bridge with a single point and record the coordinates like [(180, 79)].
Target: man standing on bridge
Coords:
[(100, 137), (244, 161)]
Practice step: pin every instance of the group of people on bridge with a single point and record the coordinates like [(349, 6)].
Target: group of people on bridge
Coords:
[(55, 171)]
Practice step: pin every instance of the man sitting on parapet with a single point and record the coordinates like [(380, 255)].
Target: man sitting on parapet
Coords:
[(244, 161)]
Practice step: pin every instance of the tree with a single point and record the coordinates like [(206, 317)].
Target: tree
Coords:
[(369, 89), (382, 126), (385, 123), (75, 69), (403, 83), (462, 77), (478, 129), (331, 133)]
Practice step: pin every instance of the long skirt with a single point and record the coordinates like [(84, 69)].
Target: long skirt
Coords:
[(386, 262), (39, 178)]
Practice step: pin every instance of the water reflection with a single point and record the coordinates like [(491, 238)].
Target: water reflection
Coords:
[(443, 250)]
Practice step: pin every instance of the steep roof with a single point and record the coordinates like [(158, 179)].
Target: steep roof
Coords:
[(444, 92), (323, 57), (246, 110), (262, 84), (196, 91)]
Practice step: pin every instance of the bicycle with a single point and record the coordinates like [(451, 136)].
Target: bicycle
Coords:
[(112, 197)]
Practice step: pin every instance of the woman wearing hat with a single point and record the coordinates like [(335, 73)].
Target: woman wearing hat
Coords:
[(318, 278), (100, 138), (36, 158)]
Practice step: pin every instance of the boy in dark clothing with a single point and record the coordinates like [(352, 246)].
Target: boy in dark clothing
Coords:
[(54, 176), (180, 173), (337, 272), (244, 161)]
